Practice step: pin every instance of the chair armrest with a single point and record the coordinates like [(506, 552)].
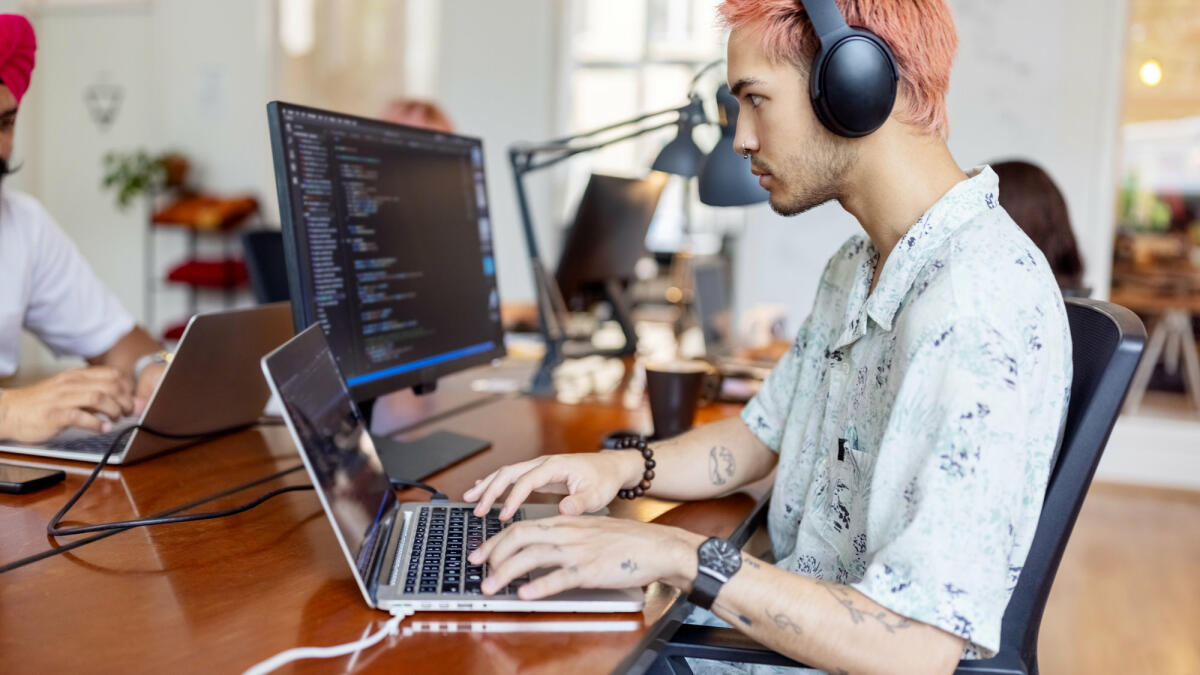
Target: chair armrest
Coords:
[(727, 644), (724, 644)]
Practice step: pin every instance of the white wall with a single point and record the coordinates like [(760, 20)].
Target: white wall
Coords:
[(1044, 89), (497, 77)]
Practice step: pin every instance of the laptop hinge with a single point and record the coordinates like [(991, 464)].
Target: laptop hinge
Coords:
[(386, 549), (377, 552)]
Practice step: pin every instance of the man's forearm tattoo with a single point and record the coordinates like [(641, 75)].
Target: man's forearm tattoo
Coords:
[(785, 622), (844, 596), (629, 566), (720, 465)]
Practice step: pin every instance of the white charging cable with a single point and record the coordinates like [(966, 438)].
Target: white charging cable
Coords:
[(392, 627)]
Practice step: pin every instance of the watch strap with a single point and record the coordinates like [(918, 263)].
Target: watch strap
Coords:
[(704, 590)]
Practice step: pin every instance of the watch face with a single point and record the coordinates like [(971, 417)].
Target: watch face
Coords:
[(720, 556)]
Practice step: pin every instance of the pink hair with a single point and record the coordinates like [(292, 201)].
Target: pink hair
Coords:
[(920, 33)]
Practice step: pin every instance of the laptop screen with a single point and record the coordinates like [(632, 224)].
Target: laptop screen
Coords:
[(333, 438)]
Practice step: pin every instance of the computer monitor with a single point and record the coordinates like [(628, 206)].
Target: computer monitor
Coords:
[(388, 244), (608, 236), (710, 296)]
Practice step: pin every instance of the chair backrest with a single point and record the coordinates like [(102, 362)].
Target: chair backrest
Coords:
[(266, 266), (1107, 343)]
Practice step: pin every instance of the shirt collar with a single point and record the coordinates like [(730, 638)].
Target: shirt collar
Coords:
[(915, 249)]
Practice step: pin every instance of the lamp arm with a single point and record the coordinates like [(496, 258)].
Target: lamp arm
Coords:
[(557, 143), (568, 152)]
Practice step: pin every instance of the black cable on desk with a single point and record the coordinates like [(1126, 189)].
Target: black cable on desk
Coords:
[(54, 530), (48, 553), (166, 517)]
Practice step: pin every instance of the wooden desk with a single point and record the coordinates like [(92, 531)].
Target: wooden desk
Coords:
[(222, 595)]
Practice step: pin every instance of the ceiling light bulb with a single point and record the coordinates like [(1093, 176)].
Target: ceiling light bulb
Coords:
[(1151, 72)]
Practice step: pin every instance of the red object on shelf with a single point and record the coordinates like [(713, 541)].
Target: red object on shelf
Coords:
[(210, 273)]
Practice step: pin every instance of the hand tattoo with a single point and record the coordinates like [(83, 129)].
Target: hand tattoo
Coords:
[(889, 621), (783, 621), (743, 619), (720, 464), (629, 566), (752, 562)]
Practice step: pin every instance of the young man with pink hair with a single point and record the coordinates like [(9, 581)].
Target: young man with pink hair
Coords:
[(911, 426)]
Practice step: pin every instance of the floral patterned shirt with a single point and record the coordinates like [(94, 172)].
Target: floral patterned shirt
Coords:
[(916, 424)]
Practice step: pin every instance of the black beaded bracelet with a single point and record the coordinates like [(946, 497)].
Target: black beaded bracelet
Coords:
[(647, 476)]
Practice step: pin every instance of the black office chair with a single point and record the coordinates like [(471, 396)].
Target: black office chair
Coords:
[(265, 265), (1107, 341)]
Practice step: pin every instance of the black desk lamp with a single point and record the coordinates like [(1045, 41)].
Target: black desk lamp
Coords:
[(725, 180)]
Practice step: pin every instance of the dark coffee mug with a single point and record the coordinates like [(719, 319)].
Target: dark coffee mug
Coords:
[(674, 388)]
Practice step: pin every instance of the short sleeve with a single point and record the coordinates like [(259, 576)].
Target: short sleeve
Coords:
[(972, 466), (766, 414), (69, 308)]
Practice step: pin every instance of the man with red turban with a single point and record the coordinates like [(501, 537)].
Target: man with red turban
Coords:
[(47, 287)]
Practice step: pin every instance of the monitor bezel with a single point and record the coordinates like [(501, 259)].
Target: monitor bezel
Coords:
[(300, 281)]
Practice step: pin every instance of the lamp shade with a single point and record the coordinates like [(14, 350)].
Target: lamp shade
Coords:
[(681, 156), (725, 178)]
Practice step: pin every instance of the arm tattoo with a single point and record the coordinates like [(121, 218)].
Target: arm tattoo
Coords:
[(784, 622), (752, 562), (720, 464), (629, 566), (842, 594)]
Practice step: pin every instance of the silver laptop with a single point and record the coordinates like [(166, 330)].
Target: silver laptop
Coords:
[(405, 557), (213, 382)]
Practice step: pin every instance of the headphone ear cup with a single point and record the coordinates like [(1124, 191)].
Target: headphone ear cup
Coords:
[(853, 84)]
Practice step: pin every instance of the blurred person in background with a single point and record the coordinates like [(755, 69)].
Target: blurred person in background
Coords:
[(416, 113), (1030, 196)]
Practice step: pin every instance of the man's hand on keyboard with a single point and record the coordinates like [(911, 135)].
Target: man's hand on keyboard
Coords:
[(87, 398), (587, 552)]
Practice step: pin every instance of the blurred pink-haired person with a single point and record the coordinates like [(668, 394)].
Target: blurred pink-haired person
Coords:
[(912, 425), (416, 113)]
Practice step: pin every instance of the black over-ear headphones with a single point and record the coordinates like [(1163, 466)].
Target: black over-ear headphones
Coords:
[(853, 78)]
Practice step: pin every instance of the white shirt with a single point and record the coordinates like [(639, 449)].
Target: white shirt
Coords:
[(915, 425), (48, 288)]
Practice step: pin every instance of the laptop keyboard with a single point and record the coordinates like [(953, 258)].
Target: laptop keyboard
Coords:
[(442, 539), (96, 443)]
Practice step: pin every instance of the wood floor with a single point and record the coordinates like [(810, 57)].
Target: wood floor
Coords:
[(1127, 597)]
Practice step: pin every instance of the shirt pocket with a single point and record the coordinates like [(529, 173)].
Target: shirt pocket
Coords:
[(847, 494)]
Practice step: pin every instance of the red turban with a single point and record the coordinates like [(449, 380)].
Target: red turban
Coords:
[(17, 45)]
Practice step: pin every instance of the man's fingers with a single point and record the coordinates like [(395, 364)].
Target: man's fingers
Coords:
[(526, 484), (114, 389), (526, 560), (500, 483), (107, 374), (481, 554), (74, 417), (480, 485), (555, 530), (94, 400), (559, 580)]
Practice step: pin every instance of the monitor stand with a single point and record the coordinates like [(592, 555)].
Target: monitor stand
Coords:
[(425, 456), (421, 457)]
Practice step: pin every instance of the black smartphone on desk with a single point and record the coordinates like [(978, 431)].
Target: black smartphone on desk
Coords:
[(22, 479)]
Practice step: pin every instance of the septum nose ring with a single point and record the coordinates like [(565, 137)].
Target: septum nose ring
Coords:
[(745, 152)]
